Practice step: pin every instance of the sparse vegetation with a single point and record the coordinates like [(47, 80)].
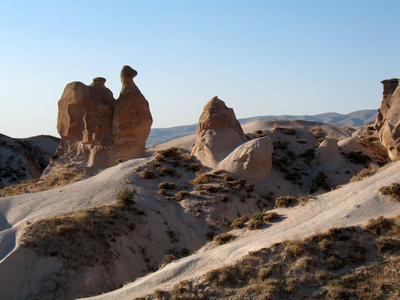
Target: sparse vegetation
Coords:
[(286, 130), (147, 174), (357, 157), (319, 182), (223, 238), (365, 173), (285, 201), (392, 191), (126, 196), (261, 218), (239, 222), (321, 266), (166, 185), (181, 195), (54, 179)]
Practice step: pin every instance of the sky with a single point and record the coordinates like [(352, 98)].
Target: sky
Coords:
[(262, 57)]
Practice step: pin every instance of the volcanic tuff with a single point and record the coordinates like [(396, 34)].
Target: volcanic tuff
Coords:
[(221, 143), (97, 130), (388, 119)]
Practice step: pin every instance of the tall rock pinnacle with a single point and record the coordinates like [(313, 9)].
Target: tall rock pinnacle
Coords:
[(97, 130)]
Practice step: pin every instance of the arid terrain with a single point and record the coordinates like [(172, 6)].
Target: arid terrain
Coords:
[(268, 209)]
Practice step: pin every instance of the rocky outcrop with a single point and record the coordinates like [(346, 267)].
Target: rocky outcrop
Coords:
[(218, 133), (97, 130), (24, 159), (326, 151), (388, 119), (221, 143), (251, 160)]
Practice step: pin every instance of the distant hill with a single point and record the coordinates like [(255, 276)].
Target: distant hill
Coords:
[(357, 118)]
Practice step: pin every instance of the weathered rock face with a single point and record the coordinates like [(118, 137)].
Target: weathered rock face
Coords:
[(221, 143), (326, 151), (388, 119), (132, 119), (97, 130), (218, 133), (251, 160)]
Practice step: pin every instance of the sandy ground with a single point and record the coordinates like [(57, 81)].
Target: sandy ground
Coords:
[(353, 204)]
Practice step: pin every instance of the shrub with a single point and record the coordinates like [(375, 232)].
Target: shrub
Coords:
[(223, 238), (387, 245), (393, 191), (281, 145), (309, 154), (319, 182), (372, 168), (378, 226), (181, 195), (166, 171), (166, 185), (285, 201), (239, 222), (207, 188), (194, 167), (126, 196), (167, 259), (357, 157), (286, 130), (147, 174), (318, 132), (258, 219)]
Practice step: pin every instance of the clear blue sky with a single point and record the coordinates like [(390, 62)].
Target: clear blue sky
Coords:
[(260, 57)]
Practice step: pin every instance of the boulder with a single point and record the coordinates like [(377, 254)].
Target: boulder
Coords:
[(326, 151), (387, 121), (97, 130), (251, 160), (218, 133)]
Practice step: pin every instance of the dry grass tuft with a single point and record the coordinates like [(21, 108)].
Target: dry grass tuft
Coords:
[(393, 191), (223, 238), (55, 179), (365, 173), (329, 265)]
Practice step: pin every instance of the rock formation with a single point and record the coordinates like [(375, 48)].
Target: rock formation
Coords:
[(97, 130), (218, 133), (221, 143), (251, 160), (326, 151), (24, 159), (388, 119)]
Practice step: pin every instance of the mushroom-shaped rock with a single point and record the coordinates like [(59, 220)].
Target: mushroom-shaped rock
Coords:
[(388, 118), (251, 160), (218, 133), (326, 151), (132, 119)]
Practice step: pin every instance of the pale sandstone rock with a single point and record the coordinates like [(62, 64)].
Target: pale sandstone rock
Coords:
[(218, 133), (327, 151), (251, 160), (221, 144), (388, 119), (97, 130)]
